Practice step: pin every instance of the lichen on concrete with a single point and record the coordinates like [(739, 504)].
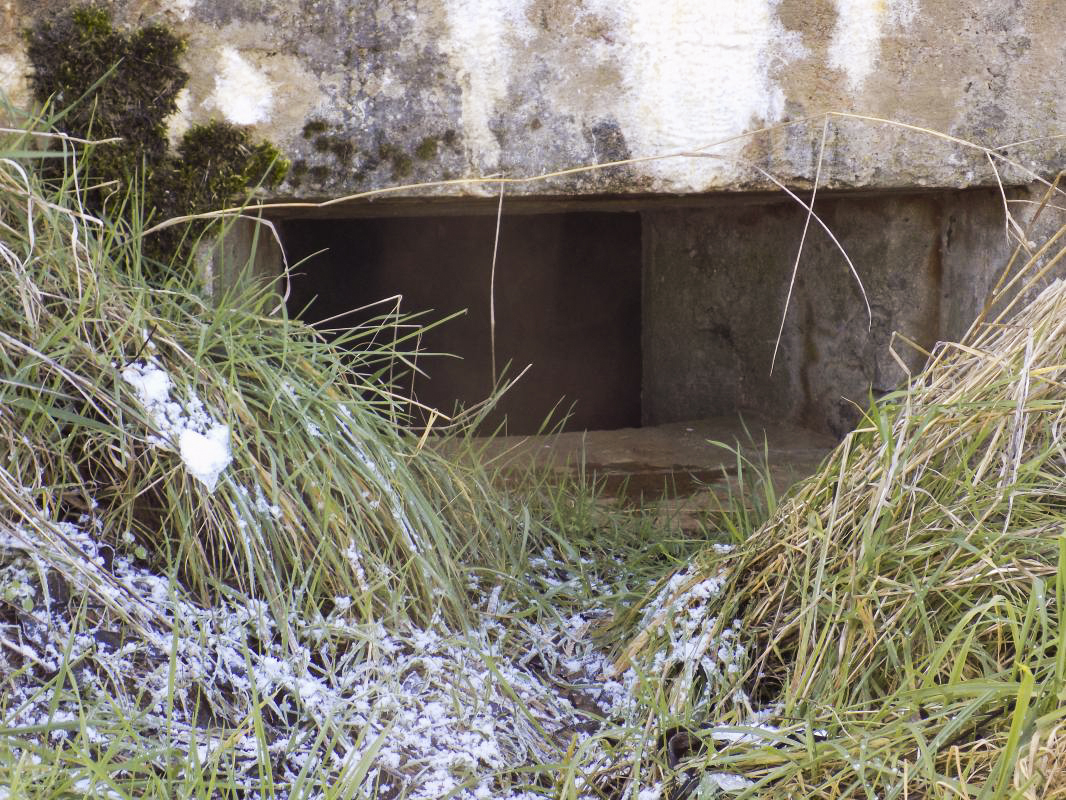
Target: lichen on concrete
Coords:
[(529, 86), (427, 148), (860, 27), (243, 94), (14, 86)]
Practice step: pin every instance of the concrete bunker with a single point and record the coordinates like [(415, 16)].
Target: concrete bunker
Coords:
[(654, 311)]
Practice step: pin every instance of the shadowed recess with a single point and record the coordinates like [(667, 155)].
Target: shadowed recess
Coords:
[(567, 303)]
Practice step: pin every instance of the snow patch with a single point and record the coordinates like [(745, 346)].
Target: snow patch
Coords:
[(206, 455), (725, 781), (202, 443), (451, 713), (444, 722)]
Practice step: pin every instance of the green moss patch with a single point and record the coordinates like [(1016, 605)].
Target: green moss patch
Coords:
[(427, 148), (341, 147), (314, 127), (113, 84), (401, 163)]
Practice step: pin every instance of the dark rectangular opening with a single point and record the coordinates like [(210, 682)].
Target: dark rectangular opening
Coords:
[(567, 303)]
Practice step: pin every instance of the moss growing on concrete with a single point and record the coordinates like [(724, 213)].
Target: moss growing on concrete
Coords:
[(104, 83), (401, 163), (297, 172), (107, 83), (427, 148), (218, 161), (339, 146), (326, 140), (344, 150), (314, 127)]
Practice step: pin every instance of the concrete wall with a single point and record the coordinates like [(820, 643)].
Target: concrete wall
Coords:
[(409, 90), (716, 281), (672, 313), (248, 253), (654, 312)]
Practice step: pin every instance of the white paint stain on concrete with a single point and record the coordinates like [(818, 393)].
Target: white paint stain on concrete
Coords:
[(696, 74), (14, 69), (182, 9), (479, 42), (242, 92), (181, 120), (860, 26)]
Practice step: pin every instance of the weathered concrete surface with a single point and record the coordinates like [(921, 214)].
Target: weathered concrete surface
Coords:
[(715, 287), (249, 252), (405, 90), (669, 458), (365, 95), (712, 280)]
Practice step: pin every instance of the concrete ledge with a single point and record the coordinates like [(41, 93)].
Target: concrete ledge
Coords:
[(367, 95)]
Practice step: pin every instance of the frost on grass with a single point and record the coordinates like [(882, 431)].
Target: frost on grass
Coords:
[(692, 642), (202, 443), (428, 712), (115, 657), (703, 659)]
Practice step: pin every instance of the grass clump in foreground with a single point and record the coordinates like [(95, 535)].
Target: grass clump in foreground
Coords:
[(229, 570), (231, 443), (226, 567), (895, 628)]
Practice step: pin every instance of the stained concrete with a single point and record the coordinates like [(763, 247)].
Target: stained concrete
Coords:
[(717, 280), (249, 252), (672, 312), (398, 91), (685, 471), (677, 458), (375, 97)]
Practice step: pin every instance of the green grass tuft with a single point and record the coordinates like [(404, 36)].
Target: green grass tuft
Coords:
[(906, 601), (359, 507)]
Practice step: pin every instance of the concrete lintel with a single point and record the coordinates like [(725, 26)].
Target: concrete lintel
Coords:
[(363, 96)]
